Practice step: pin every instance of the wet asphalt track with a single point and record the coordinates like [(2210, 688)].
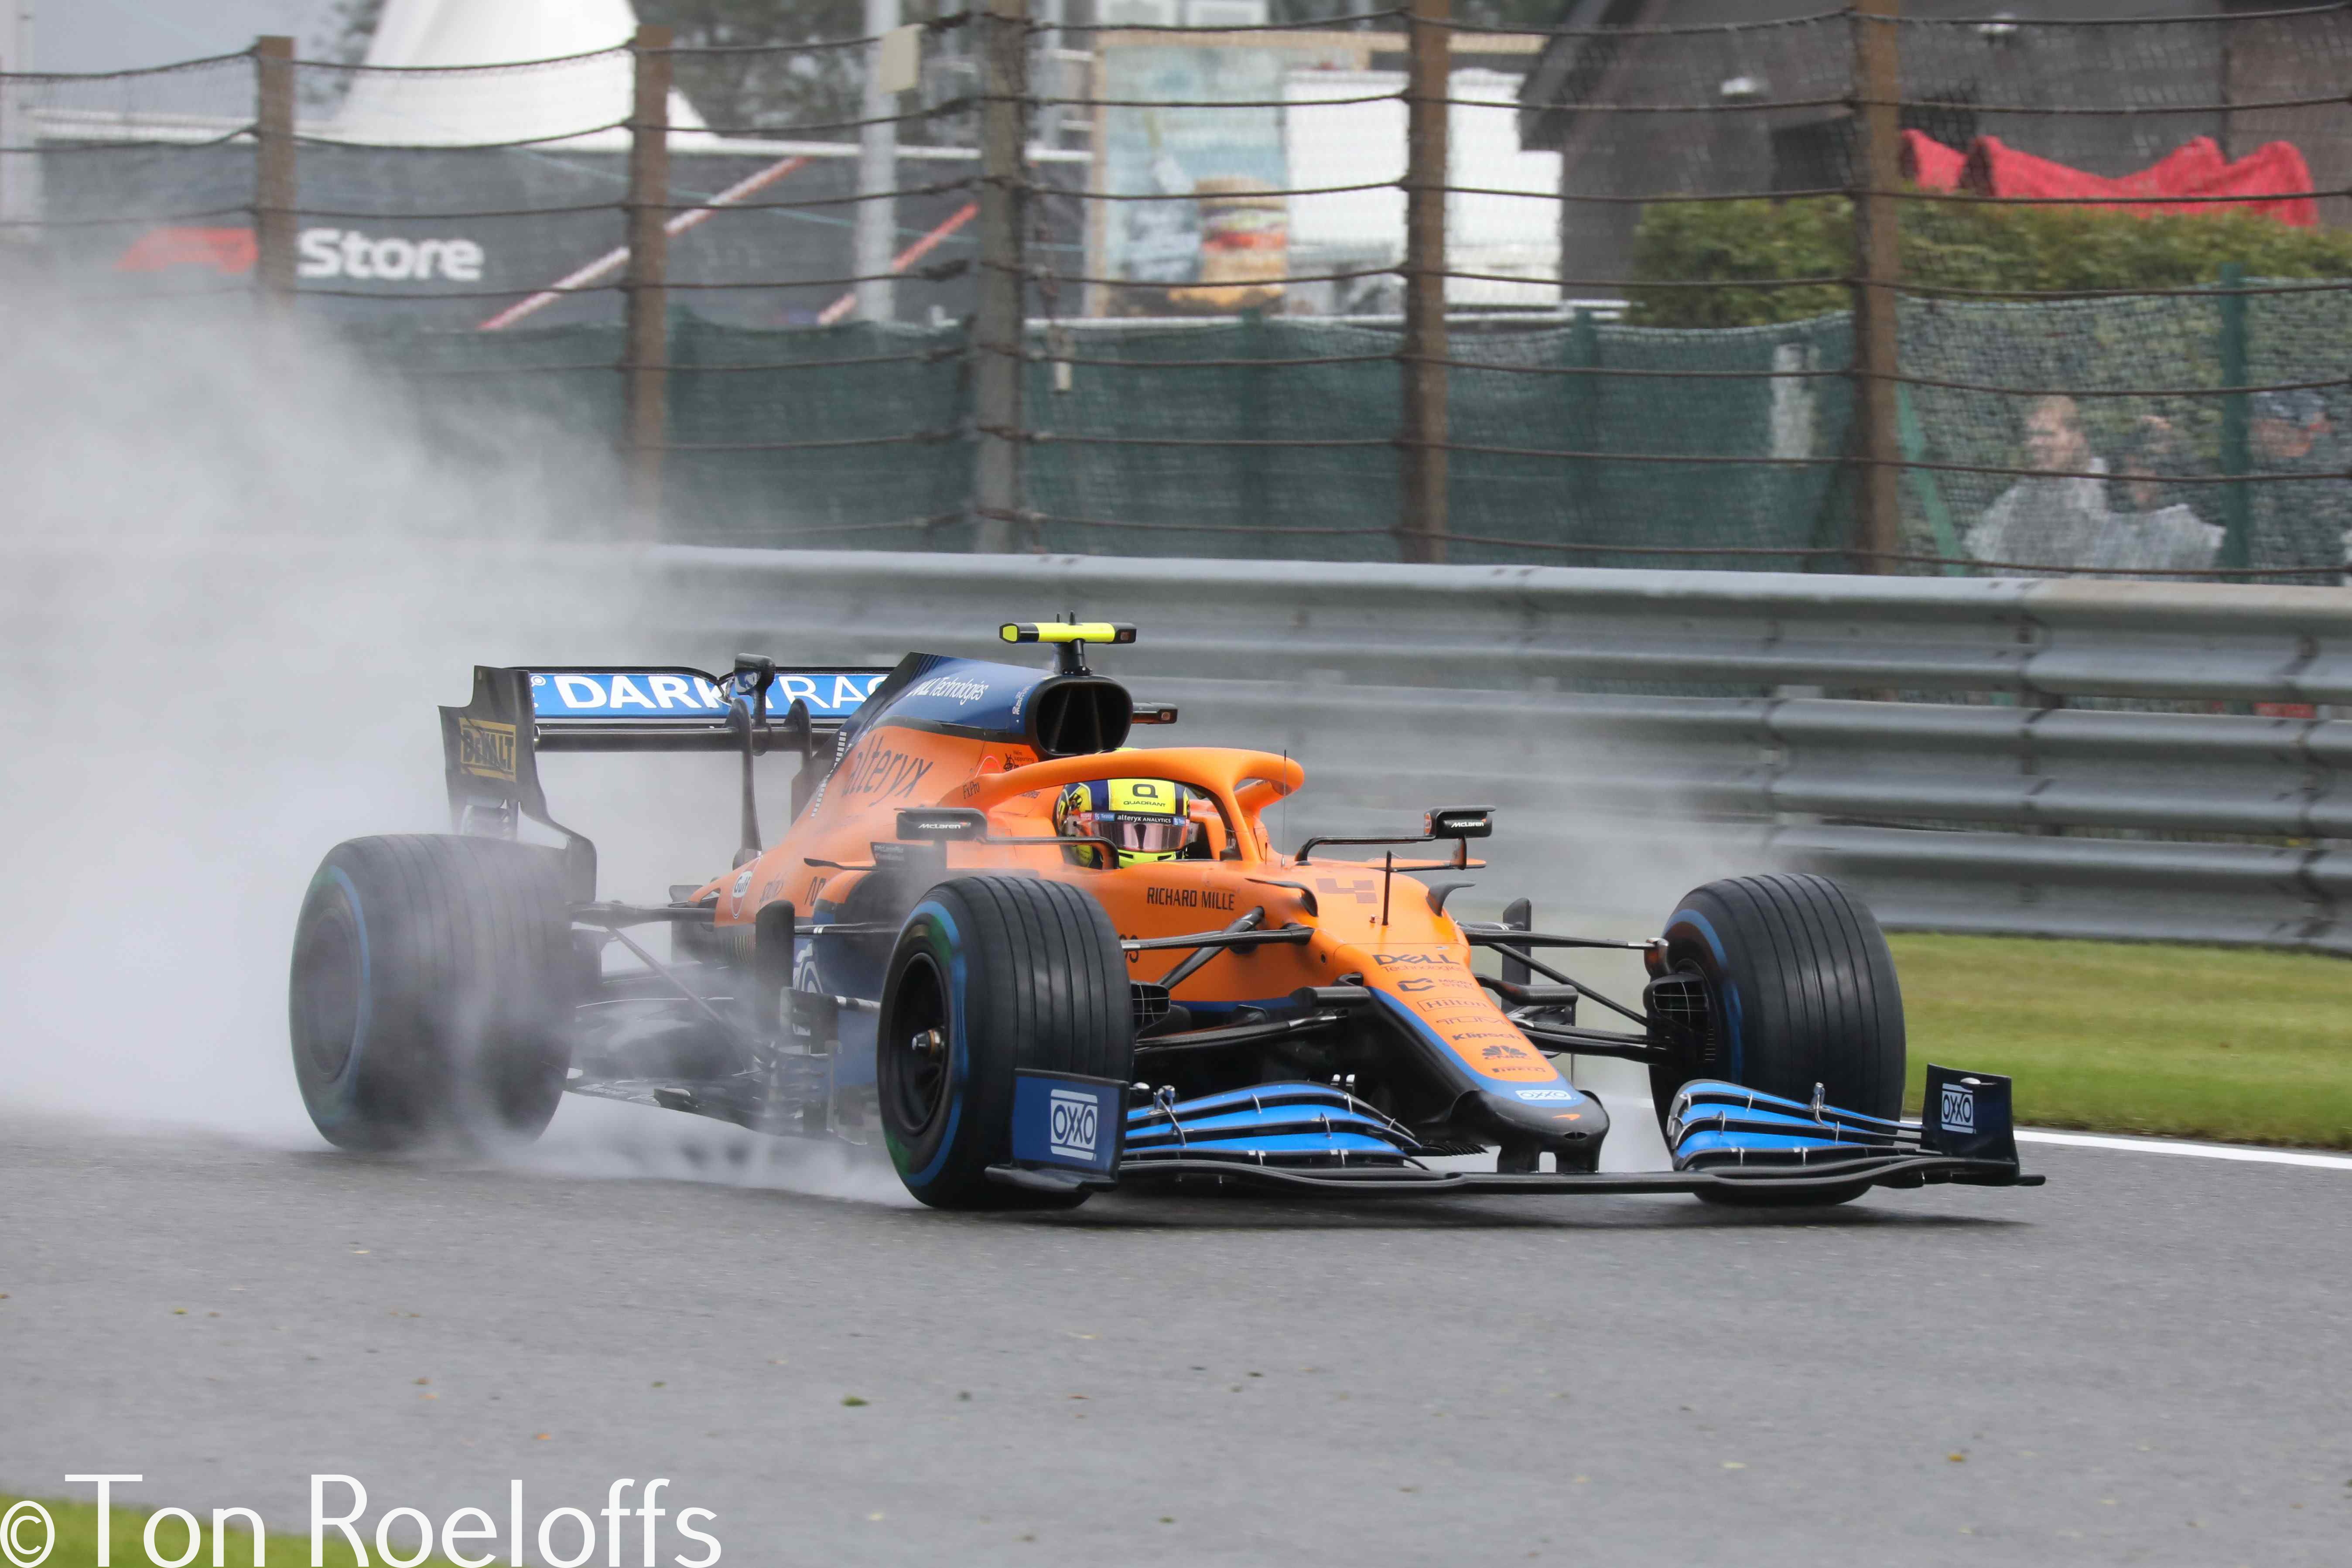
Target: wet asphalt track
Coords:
[(2147, 1362)]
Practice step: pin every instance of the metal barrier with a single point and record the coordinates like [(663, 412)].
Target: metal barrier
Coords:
[(1743, 719)]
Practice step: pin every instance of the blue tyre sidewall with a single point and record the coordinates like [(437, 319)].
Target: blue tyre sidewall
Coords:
[(931, 930), (1688, 923)]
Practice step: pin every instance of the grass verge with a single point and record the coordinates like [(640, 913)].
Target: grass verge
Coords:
[(76, 1540), (2234, 1044)]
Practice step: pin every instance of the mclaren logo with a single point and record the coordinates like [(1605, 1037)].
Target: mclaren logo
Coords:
[(486, 749)]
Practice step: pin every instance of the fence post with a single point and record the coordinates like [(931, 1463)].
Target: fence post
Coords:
[(875, 231), (1583, 425), (275, 192), (20, 167), (2237, 458), (1420, 512), (646, 301), (1877, 266), (997, 325)]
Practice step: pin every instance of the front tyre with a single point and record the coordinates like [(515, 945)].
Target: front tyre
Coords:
[(1796, 988), (432, 994), (991, 975)]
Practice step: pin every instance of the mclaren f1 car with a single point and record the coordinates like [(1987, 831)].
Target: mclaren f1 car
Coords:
[(1033, 961)]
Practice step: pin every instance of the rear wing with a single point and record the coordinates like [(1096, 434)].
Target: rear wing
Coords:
[(490, 746), (669, 709)]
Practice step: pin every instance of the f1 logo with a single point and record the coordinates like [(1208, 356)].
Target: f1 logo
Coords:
[(1959, 1108)]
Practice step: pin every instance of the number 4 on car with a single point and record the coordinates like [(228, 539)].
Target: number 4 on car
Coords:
[(1034, 962)]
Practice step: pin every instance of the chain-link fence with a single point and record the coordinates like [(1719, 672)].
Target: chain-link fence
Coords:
[(1732, 288)]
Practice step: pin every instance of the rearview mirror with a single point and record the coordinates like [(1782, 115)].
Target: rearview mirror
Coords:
[(1459, 822)]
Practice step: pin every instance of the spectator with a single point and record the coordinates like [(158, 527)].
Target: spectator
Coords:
[(2151, 464), (2302, 521), (2059, 517)]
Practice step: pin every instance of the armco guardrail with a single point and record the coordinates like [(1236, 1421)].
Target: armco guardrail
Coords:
[(1403, 686), (1507, 628)]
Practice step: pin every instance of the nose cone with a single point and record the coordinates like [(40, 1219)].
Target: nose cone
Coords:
[(1564, 1119)]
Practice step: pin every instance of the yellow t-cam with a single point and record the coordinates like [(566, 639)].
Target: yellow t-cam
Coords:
[(1067, 631)]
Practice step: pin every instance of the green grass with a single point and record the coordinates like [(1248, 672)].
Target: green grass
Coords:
[(2226, 1043), (77, 1528)]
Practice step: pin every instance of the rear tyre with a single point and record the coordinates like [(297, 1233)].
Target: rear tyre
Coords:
[(991, 975), (1799, 989), (432, 994)]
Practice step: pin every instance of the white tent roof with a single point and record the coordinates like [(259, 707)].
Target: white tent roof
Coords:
[(539, 103)]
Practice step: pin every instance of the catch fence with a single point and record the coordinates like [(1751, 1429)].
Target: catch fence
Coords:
[(1816, 291)]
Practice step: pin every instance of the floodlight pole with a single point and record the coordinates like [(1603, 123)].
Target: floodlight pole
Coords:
[(1421, 513), (997, 325), (646, 301), (1877, 268)]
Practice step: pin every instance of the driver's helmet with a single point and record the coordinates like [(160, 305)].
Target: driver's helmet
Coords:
[(1148, 819)]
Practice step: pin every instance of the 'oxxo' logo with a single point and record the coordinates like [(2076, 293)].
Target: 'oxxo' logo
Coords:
[(1075, 1120), (1959, 1108)]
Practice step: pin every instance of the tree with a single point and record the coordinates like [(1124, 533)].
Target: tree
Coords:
[(341, 38), (777, 84), (344, 30)]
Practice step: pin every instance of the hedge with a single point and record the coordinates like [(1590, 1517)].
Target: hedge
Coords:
[(1961, 245)]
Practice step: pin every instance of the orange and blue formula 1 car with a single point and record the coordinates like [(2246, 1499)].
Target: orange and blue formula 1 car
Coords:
[(1035, 963)]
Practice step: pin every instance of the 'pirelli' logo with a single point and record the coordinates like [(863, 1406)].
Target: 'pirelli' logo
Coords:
[(486, 749)]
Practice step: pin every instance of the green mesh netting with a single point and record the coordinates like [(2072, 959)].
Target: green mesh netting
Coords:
[(2147, 373), (1159, 439), (1339, 503), (566, 375), (895, 399)]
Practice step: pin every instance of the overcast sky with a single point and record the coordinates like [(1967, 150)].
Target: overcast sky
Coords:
[(115, 34)]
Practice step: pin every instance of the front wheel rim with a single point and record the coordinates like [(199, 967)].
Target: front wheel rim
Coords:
[(919, 1049), (327, 997)]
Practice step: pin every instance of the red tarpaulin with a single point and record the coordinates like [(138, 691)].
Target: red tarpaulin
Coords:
[(2272, 179)]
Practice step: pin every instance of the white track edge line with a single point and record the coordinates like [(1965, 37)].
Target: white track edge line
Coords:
[(2195, 1151)]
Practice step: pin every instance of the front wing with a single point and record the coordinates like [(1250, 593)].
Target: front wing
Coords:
[(1304, 1138)]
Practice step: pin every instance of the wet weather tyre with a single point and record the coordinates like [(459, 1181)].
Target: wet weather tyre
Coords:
[(991, 975), (1799, 990), (434, 985)]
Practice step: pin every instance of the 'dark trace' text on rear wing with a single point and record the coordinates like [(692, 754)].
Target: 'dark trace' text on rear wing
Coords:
[(490, 746)]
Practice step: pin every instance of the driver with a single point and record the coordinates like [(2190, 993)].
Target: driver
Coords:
[(1148, 819)]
